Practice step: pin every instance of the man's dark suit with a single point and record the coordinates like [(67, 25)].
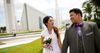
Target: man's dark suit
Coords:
[(90, 38)]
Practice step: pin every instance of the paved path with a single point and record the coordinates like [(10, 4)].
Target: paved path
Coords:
[(13, 41)]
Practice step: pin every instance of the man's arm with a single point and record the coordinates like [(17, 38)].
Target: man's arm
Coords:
[(97, 38), (65, 42)]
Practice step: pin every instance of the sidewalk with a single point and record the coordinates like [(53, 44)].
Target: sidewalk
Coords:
[(13, 41), (20, 34)]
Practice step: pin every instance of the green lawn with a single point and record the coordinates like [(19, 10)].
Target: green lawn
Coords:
[(33, 47)]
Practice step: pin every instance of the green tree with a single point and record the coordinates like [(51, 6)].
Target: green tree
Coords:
[(87, 9), (92, 6)]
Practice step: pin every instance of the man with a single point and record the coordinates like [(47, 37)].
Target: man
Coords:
[(81, 37)]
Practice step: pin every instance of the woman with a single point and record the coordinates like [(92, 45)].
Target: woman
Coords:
[(53, 33)]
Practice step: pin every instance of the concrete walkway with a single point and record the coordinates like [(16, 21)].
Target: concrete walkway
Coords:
[(13, 41)]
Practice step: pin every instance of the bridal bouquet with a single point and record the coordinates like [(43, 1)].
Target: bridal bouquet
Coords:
[(47, 43)]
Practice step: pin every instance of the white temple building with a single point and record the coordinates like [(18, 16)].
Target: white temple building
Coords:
[(31, 19)]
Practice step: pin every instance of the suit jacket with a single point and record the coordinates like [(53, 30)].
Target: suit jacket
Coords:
[(90, 38)]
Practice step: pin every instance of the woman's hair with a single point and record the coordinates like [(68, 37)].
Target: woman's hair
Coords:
[(56, 31), (45, 20)]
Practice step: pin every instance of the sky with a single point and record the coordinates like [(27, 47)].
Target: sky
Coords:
[(45, 6)]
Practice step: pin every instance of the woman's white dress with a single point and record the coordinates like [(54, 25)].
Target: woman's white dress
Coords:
[(54, 42)]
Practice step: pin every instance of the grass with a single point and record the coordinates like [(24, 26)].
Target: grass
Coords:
[(5, 34), (33, 47)]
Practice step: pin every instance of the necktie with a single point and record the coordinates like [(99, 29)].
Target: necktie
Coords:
[(79, 26), (79, 31)]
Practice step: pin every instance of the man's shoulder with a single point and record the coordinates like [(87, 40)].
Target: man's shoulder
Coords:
[(90, 23), (68, 27)]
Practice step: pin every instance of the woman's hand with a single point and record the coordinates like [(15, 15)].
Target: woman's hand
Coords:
[(48, 46)]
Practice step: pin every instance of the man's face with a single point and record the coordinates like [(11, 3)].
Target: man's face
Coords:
[(74, 17)]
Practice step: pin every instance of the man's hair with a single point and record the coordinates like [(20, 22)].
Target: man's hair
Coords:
[(76, 10)]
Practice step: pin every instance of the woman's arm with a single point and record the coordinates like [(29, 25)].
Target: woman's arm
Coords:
[(59, 41), (42, 38)]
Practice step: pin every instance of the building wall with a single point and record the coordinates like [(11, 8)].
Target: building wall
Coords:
[(31, 20), (23, 21), (10, 16)]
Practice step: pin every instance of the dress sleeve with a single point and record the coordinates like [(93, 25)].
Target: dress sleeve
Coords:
[(43, 33)]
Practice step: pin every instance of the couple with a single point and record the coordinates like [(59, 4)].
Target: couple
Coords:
[(81, 37)]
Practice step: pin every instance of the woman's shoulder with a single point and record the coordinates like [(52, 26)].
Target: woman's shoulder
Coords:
[(43, 32)]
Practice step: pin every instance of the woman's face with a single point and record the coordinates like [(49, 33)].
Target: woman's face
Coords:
[(50, 22)]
